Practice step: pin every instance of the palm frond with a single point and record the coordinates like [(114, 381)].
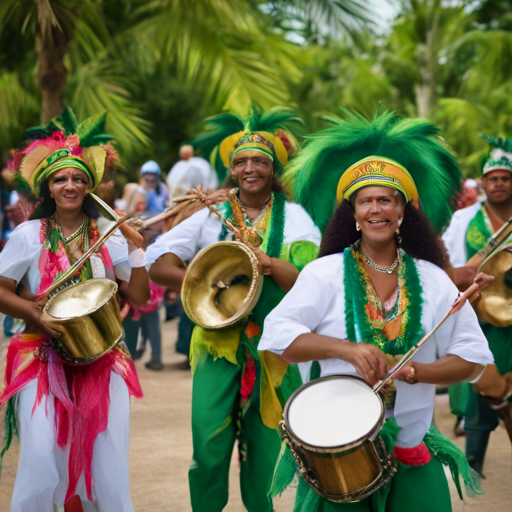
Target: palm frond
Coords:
[(19, 108), (97, 88)]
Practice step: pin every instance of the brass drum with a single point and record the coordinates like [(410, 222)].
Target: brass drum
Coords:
[(89, 314), (495, 306), (222, 285), (332, 426)]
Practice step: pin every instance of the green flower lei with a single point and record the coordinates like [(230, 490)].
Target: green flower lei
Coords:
[(356, 298)]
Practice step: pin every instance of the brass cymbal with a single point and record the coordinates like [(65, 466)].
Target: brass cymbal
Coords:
[(495, 306), (222, 285)]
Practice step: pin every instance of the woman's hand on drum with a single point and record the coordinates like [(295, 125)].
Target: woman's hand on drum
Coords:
[(368, 360)]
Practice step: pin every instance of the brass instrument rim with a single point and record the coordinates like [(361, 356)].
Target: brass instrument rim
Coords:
[(494, 306), (353, 497), (244, 310), (83, 361), (113, 285)]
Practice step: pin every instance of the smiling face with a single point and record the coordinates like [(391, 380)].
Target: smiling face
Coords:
[(378, 211), (498, 186), (253, 172), (69, 187)]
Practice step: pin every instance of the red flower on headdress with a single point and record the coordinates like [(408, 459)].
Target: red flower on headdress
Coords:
[(58, 136), (284, 139), (112, 156)]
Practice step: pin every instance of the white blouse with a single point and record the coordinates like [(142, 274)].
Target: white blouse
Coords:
[(316, 303), (455, 235), (20, 257), (204, 228)]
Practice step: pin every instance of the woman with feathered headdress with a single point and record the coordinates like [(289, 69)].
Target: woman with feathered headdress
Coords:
[(73, 420), (378, 286)]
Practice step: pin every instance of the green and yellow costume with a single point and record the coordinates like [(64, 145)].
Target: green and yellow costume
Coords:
[(238, 392)]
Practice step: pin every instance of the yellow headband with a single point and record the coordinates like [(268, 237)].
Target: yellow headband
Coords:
[(227, 146), (377, 171)]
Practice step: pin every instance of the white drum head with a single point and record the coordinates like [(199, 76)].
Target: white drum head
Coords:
[(333, 412)]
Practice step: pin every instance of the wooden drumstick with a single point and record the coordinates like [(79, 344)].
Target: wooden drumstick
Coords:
[(410, 353), (170, 211), (128, 232)]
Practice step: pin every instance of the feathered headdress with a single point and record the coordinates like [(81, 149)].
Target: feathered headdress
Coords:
[(501, 156), (63, 143), (225, 130), (406, 152)]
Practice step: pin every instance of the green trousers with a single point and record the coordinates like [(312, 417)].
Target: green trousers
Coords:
[(216, 421), (412, 489)]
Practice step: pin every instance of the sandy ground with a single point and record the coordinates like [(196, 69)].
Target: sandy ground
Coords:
[(161, 448)]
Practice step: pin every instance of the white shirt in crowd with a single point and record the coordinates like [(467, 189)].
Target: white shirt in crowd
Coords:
[(455, 236), (187, 174)]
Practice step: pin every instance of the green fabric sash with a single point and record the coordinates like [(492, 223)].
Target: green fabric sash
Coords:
[(479, 231)]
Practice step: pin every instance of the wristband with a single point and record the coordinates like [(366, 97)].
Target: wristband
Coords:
[(137, 258), (416, 456)]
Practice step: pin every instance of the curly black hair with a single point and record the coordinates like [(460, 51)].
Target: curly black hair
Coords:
[(46, 206), (419, 239)]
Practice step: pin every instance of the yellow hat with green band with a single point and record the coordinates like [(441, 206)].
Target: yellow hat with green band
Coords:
[(376, 171)]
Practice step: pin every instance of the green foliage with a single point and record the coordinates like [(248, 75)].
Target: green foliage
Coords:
[(160, 67)]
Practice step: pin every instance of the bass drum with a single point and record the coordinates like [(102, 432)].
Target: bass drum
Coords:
[(331, 426), (222, 285)]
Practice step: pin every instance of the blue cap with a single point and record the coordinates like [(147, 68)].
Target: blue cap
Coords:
[(150, 167)]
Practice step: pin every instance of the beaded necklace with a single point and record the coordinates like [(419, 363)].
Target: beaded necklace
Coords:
[(74, 245), (366, 321)]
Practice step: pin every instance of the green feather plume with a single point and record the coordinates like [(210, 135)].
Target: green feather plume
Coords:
[(92, 131), (21, 184), (415, 144), (222, 126), (499, 142), (11, 427)]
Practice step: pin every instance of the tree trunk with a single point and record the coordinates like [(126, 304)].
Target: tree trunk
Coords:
[(51, 73), (425, 90)]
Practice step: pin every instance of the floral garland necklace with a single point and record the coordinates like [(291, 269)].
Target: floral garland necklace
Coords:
[(253, 231), (366, 321), (269, 226)]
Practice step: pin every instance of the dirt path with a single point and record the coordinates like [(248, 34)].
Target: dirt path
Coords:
[(161, 448)]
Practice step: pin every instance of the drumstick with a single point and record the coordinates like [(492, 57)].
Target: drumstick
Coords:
[(162, 216), (128, 232), (410, 354)]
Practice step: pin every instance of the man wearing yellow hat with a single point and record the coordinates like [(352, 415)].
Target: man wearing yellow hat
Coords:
[(238, 392)]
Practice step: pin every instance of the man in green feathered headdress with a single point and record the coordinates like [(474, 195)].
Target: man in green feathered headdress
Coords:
[(278, 125), (467, 234), (238, 392)]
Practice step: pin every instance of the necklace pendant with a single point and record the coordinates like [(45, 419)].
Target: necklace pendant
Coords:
[(390, 270)]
